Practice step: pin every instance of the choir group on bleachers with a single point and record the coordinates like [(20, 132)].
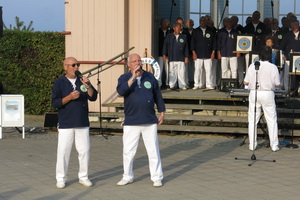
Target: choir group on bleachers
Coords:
[(205, 55)]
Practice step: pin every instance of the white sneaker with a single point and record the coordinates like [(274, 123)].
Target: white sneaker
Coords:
[(124, 182), (157, 183), (86, 182), (275, 148), (195, 88), (60, 184), (184, 88), (251, 147), (210, 88)]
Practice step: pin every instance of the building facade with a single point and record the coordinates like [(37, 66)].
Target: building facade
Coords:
[(97, 30)]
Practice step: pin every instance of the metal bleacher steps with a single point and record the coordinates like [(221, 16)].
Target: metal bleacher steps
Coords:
[(208, 112)]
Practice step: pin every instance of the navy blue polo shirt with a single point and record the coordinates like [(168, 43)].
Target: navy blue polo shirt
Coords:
[(139, 99)]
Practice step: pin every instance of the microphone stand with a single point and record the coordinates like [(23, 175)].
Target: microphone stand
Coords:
[(253, 157), (101, 131), (292, 145), (226, 5), (172, 5)]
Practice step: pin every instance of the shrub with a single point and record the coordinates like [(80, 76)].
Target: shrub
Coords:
[(29, 64)]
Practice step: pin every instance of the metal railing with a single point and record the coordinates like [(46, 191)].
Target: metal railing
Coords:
[(107, 62)]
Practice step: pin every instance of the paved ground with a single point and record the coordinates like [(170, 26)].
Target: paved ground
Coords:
[(195, 167)]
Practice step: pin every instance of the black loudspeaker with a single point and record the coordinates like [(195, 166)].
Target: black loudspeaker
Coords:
[(51, 120), (228, 84), (1, 22)]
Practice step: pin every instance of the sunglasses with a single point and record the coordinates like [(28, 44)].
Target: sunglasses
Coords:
[(73, 65)]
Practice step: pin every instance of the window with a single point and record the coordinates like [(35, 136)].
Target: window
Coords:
[(286, 6), (242, 9), (199, 8)]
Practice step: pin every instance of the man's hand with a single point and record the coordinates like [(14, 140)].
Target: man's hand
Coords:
[(74, 95), (164, 58), (194, 55), (161, 118), (186, 60)]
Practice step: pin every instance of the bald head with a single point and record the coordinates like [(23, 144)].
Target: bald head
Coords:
[(69, 61)]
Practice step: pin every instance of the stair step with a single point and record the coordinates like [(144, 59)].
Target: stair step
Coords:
[(196, 129), (201, 118), (195, 107)]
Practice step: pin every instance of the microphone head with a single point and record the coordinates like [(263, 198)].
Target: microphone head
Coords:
[(78, 74), (257, 64)]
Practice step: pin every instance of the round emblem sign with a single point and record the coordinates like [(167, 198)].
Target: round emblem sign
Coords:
[(297, 64), (244, 43), (154, 64)]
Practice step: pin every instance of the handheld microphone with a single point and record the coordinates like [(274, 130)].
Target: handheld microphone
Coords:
[(272, 4), (140, 69), (227, 3), (79, 75), (257, 64)]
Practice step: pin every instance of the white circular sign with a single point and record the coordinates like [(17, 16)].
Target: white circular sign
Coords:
[(154, 64)]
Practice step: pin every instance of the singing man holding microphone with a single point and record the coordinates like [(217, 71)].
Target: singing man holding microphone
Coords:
[(141, 91), (267, 80), (70, 95)]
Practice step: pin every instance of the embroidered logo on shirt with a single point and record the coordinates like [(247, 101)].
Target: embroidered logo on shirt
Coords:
[(147, 84), (83, 88)]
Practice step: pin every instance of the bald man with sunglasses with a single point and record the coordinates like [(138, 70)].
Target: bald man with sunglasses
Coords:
[(70, 95)]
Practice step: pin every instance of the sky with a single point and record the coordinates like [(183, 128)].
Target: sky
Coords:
[(47, 15)]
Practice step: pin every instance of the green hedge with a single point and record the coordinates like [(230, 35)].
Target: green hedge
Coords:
[(29, 64)]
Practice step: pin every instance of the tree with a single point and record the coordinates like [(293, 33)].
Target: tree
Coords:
[(20, 26)]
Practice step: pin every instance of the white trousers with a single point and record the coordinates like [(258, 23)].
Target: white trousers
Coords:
[(265, 100), (186, 75), (66, 139), (165, 66), (131, 137), (214, 70), (284, 76), (247, 57), (229, 67), (177, 72), (203, 73)]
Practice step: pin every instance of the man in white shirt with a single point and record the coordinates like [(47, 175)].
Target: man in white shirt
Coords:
[(267, 80)]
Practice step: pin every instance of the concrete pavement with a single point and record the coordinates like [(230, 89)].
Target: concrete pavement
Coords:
[(195, 167)]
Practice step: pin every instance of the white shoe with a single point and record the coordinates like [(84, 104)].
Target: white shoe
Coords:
[(124, 182), (86, 182), (60, 184), (275, 148), (157, 183), (210, 88), (184, 88), (195, 88), (251, 147)]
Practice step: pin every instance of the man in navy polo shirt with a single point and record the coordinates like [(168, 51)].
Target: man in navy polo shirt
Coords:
[(141, 91), (70, 95)]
